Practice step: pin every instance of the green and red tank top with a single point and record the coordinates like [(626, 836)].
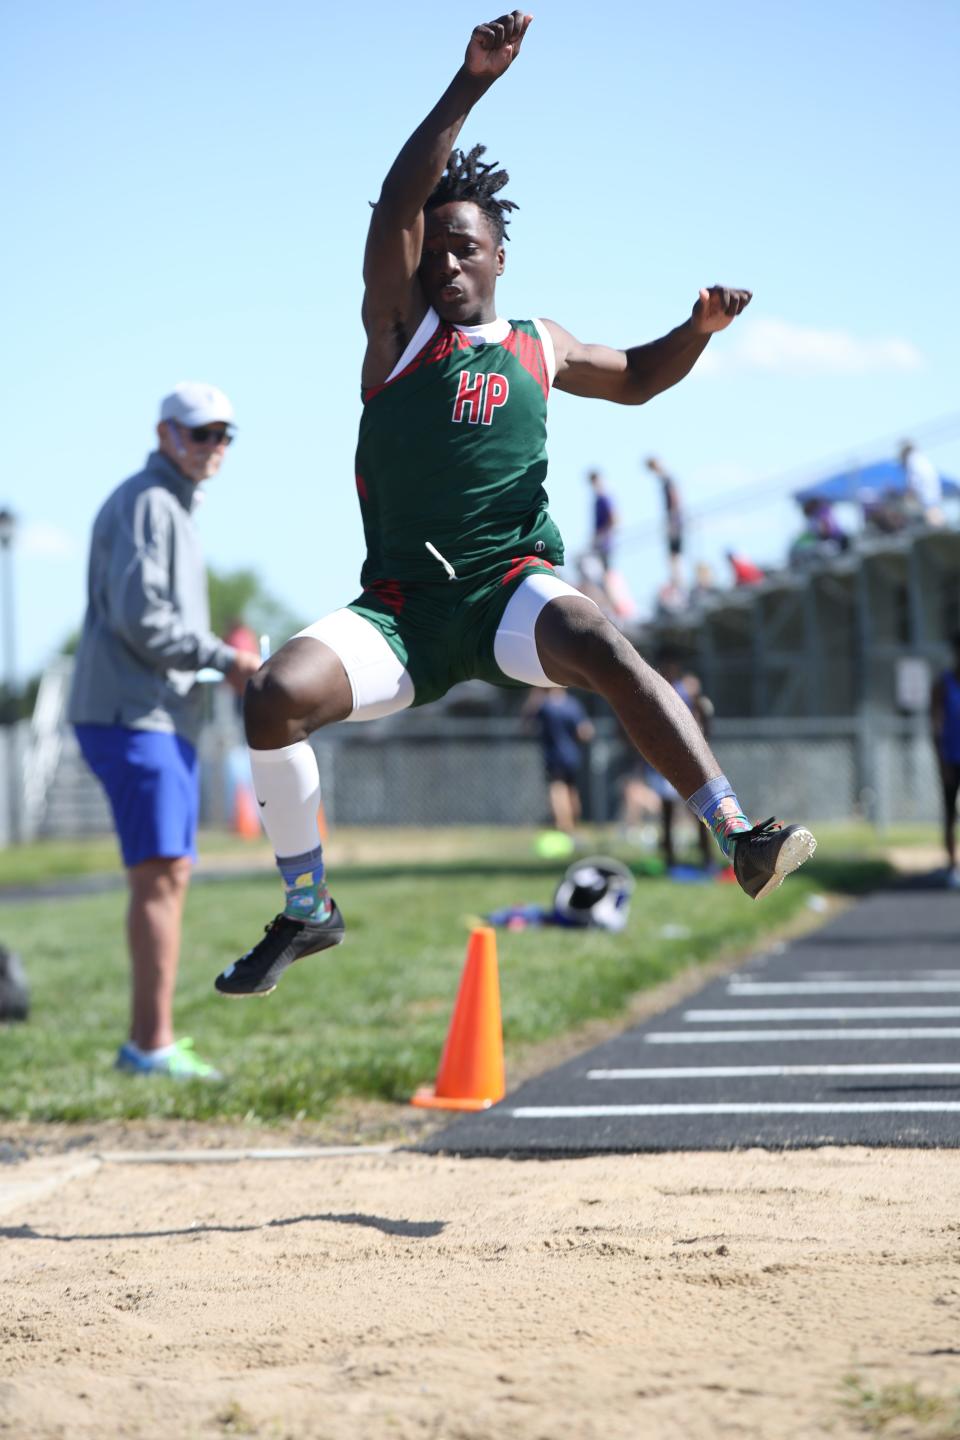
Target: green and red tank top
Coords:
[(452, 456)]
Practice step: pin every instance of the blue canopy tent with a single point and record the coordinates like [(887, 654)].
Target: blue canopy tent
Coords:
[(866, 485)]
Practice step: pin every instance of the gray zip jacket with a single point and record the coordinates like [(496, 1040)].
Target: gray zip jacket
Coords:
[(146, 631)]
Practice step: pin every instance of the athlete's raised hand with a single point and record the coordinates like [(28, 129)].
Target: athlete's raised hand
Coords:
[(494, 47), (717, 307)]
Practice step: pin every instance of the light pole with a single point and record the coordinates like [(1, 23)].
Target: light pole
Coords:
[(8, 529)]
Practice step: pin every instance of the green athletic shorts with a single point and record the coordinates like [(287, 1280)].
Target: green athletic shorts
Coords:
[(444, 632)]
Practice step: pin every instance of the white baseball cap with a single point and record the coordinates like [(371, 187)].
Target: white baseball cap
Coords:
[(194, 403)]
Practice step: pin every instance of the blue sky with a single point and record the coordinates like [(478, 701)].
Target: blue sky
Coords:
[(186, 198)]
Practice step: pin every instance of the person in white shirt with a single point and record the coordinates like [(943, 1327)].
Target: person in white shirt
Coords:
[(924, 485)]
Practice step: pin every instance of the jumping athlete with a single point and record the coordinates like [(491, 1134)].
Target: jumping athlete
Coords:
[(459, 579)]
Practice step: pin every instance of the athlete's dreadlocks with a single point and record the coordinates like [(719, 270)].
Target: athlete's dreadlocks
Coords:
[(467, 177)]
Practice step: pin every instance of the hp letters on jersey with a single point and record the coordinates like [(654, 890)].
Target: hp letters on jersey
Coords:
[(479, 396)]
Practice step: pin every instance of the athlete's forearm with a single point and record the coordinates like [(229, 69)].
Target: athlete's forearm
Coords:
[(654, 367), (423, 159)]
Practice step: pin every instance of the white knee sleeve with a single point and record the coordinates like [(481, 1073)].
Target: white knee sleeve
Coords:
[(287, 785)]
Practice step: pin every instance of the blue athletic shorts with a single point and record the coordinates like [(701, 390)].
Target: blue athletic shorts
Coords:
[(153, 784)]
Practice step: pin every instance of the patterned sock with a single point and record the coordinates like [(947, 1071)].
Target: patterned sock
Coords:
[(303, 877), (717, 806)]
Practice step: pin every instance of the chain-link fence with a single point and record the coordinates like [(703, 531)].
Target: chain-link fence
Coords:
[(430, 769), (798, 778), (490, 771), (435, 778)]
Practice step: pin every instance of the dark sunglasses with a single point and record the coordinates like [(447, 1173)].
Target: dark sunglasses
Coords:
[(204, 435)]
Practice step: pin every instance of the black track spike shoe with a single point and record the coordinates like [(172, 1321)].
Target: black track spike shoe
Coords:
[(284, 941), (764, 856)]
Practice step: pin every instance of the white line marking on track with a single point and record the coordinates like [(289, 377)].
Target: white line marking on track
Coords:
[(725, 1072), (836, 1012), (39, 1177), (862, 974), (744, 988), (867, 1107), (721, 1037), (220, 1157)]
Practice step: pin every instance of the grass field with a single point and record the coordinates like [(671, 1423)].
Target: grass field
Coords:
[(369, 1019)]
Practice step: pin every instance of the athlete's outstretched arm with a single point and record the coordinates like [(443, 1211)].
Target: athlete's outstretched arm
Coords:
[(631, 377), (395, 237)]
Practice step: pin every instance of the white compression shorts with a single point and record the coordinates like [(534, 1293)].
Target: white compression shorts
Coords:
[(380, 683)]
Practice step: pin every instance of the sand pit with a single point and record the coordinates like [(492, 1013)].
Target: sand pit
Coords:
[(395, 1295)]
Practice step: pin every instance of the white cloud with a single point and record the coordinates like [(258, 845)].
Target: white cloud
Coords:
[(779, 347), (47, 541)]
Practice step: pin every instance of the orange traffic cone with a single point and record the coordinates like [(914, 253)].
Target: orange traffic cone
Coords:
[(246, 821), (471, 1075)]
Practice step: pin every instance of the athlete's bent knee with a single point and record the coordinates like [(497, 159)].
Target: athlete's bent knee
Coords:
[(268, 705), (299, 690), (579, 646)]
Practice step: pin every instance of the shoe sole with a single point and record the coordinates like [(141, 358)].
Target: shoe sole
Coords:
[(262, 994), (215, 1078), (794, 851)]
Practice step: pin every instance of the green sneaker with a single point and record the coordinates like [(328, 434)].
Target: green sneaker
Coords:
[(182, 1063)]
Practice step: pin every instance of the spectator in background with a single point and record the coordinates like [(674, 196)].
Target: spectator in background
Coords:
[(672, 599), (822, 536), (564, 731), (688, 687), (598, 579), (592, 582), (641, 805), (240, 637), (604, 519), (673, 522), (704, 585), (923, 484), (886, 514), (745, 572), (135, 705), (945, 728)]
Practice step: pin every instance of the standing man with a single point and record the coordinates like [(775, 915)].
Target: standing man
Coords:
[(565, 729), (604, 519), (459, 578), (924, 486), (135, 704), (945, 728), (689, 689), (673, 520)]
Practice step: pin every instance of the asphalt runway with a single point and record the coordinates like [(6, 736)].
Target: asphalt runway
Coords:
[(848, 1036)]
